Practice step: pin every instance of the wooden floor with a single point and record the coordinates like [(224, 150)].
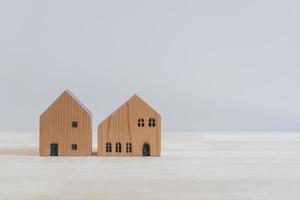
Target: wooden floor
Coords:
[(232, 166)]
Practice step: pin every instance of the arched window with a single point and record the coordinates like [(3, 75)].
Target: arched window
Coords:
[(141, 122), (152, 122), (128, 148), (118, 147), (108, 147)]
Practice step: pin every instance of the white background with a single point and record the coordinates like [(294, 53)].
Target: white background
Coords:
[(204, 65)]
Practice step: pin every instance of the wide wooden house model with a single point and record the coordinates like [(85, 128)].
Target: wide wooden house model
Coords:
[(134, 129), (66, 128)]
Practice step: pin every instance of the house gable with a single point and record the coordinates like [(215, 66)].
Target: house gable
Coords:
[(135, 99), (66, 95)]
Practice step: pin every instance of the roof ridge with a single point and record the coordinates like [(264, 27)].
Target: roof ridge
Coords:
[(78, 101), (123, 104)]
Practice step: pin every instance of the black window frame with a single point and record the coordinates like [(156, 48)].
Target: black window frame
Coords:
[(108, 147), (128, 147), (141, 122), (151, 122), (74, 147), (118, 147), (74, 124)]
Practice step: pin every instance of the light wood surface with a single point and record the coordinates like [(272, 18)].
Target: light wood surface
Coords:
[(56, 127), (209, 166), (132, 124)]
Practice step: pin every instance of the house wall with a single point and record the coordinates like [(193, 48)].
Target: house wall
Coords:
[(122, 126), (56, 127)]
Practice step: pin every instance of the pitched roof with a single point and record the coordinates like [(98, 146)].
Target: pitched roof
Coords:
[(69, 93), (78, 101), (132, 97)]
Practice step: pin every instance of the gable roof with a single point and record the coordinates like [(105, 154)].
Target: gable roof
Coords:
[(69, 93), (135, 96), (78, 101)]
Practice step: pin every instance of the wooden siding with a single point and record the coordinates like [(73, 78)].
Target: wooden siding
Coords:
[(122, 127), (56, 127)]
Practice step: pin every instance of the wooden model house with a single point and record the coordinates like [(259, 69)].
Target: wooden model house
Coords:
[(132, 130), (66, 128)]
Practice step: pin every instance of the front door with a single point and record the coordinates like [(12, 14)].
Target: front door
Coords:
[(146, 150), (53, 149)]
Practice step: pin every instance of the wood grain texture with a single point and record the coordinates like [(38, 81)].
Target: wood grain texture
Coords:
[(122, 127), (56, 127)]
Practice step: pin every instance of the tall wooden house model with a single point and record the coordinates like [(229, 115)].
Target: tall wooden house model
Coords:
[(66, 128)]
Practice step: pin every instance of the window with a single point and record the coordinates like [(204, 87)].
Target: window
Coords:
[(118, 147), (151, 122), (108, 147), (141, 122), (128, 148), (74, 147), (74, 124)]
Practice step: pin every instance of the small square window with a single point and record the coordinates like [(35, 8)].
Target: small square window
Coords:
[(74, 124), (74, 147)]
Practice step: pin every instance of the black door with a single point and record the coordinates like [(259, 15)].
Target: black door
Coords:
[(53, 149), (146, 150)]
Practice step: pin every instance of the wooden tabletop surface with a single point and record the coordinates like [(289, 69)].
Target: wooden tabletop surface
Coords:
[(209, 166)]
